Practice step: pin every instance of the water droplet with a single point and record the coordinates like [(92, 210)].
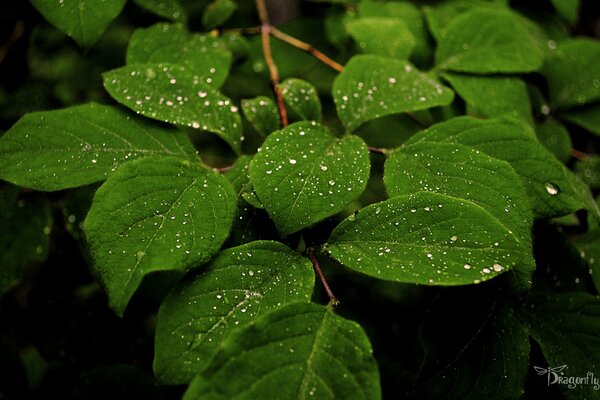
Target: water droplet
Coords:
[(552, 189)]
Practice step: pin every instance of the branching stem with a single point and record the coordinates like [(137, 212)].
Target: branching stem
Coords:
[(332, 300)]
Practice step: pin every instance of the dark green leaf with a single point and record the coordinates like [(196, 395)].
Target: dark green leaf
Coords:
[(372, 86), (302, 98), (217, 12), (239, 285), (389, 37), (156, 214), (486, 40), (169, 9), (304, 174), (555, 137), (588, 170), (586, 117), (426, 238), (568, 9), (173, 94), (238, 174), (589, 250), (262, 113), (84, 21), (299, 351), (60, 149)]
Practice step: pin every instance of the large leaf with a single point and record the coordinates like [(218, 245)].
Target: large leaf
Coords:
[(586, 117), (572, 73), (60, 149), (169, 9), (239, 285), (388, 37), (566, 326), (156, 214), (466, 173), (486, 40), (426, 238), (300, 351), (304, 174), (171, 93), (551, 188), (204, 55), (373, 86), (493, 96), (83, 20)]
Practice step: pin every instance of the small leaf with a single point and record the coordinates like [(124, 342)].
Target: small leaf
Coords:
[(589, 249), (217, 12), (173, 94), (299, 351), (262, 113), (568, 9), (237, 175), (493, 96), (485, 40), (156, 214), (372, 86), (555, 137), (240, 284), (426, 238), (304, 174), (572, 73), (588, 170), (76, 146), (84, 21), (586, 117), (302, 98), (389, 37), (169, 9)]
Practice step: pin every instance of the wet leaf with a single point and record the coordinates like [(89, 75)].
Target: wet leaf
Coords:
[(239, 285), (555, 137), (303, 174), (169, 9), (373, 86), (54, 150), (217, 12), (586, 117), (389, 37), (300, 351), (156, 214), (302, 98), (262, 113)]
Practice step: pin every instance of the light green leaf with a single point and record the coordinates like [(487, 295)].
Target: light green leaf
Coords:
[(493, 96), (485, 40), (552, 190), (299, 351), (169, 9), (262, 113), (240, 284), (568, 9), (204, 55), (304, 174), (24, 236), (555, 137), (586, 117), (83, 20), (426, 238), (156, 214), (566, 327), (217, 12), (372, 86), (389, 37), (76, 146), (572, 73), (302, 98), (173, 94), (466, 174)]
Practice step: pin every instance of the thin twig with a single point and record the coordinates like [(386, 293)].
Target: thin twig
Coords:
[(378, 150), (306, 47), (265, 32), (580, 155), (252, 30), (332, 300)]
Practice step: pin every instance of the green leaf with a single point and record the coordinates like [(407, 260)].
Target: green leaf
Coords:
[(299, 351), (485, 40), (389, 37), (555, 137), (76, 146), (204, 55), (588, 170), (568, 9), (84, 21), (156, 214), (589, 249), (24, 236), (426, 238), (572, 73), (238, 174), (169, 9), (566, 327), (217, 12), (262, 113), (466, 174), (173, 94), (493, 96), (586, 117), (552, 190), (240, 284), (372, 86), (304, 174), (302, 98)]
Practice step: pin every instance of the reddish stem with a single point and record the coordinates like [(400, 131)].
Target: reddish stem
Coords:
[(332, 300)]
